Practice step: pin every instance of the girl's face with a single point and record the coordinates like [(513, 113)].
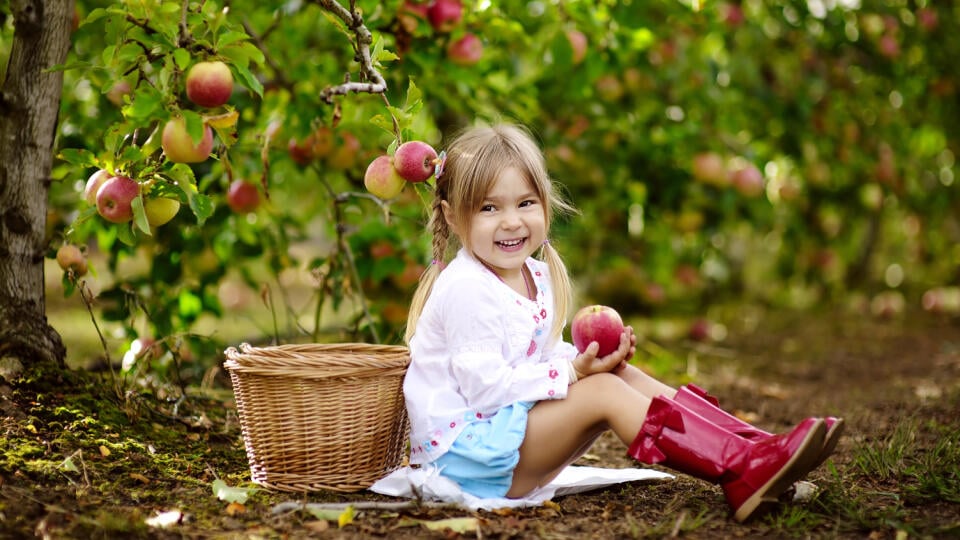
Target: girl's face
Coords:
[(509, 226)]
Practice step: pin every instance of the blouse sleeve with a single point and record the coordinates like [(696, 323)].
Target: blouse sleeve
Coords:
[(477, 334)]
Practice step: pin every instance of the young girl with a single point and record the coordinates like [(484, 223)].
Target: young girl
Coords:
[(500, 403)]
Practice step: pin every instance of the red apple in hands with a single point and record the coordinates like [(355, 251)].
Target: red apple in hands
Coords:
[(93, 185), (465, 51), (597, 323), (114, 198), (414, 161), (209, 84), (382, 179), (69, 257), (178, 146), (243, 197), (444, 15)]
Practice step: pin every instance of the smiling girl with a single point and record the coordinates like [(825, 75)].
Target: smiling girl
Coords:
[(500, 403)]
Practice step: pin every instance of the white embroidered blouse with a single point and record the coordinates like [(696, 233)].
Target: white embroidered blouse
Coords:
[(479, 346)]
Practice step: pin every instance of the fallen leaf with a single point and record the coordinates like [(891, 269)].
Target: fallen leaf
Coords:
[(230, 494), (346, 517), (165, 519), (457, 525), (235, 508), (140, 478), (104, 451), (552, 505), (326, 514), (69, 465)]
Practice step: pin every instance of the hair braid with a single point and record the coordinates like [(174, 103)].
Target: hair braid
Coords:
[(441, 237)]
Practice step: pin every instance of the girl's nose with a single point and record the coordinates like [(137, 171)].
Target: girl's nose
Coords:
[(511, 220)]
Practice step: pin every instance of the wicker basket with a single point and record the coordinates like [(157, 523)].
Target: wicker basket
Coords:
[(320, 416)]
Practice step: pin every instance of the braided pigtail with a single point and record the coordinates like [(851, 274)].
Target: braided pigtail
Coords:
[(562, 290), (441, 238)]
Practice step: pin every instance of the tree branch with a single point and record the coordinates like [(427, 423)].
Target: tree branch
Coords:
[(374, 82)]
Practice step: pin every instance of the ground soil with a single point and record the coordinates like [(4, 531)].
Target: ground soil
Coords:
[(773, 368)]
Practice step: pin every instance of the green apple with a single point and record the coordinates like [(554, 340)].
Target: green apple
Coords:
[(160, 210)]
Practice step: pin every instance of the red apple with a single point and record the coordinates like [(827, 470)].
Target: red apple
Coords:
[(414, 160), (578, 42), (243, 197), (114, 198), (444, 15), (322, 142), (69, 257), (93, 184), (889, 46), (382, 179), (209, 84), (597, 323), (301, 152), (411, 13), (465, 51), (748, 180), (699, 330), (609, 88), (927, 17), (117, 91), (179, 147), (709, 168)]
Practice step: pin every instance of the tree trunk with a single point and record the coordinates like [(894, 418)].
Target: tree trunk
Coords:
[(29, 103)]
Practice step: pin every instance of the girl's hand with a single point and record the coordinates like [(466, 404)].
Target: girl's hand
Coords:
[(587, 363)]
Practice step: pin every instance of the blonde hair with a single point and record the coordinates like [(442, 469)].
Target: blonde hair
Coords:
[(475, 159)]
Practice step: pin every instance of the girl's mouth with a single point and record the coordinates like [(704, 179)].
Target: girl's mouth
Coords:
[(511, 245)]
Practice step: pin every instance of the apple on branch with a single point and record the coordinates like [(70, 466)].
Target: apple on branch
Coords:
[(415, 160), (114, 199), (466, 51), (597, 323), (209, 84), (160, 210), (69, 257), (243, 197), (93, 185), (382, 179), (445, 15), (179, 147)]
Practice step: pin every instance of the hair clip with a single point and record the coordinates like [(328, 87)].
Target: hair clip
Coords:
[(439, 164)]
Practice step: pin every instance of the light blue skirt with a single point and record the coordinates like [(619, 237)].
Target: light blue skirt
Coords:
[(482, 459)]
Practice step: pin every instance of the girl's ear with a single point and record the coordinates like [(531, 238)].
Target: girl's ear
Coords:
[(448, 216)]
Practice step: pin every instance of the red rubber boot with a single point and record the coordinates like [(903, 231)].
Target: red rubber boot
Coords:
[(752, 473), (707, 406)]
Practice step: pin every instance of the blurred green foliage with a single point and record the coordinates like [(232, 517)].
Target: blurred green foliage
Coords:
[(846, 111)]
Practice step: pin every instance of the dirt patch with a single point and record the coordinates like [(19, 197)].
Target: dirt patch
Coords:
[(81, 462)]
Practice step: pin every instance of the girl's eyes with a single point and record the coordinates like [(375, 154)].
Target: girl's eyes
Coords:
[(523, 204)]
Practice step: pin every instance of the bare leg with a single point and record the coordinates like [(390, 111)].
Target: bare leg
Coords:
[(558, 430), (643, 383)]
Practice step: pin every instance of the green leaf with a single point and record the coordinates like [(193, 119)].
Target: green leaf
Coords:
[(249, 79), (414, 97), (230, 37), (201, 205), (126, 235), (189, 305), (231, 494), (194, 124), (79, 157), (69, 465), (326, 514), (140, 215), (182, 58), (145, 104)]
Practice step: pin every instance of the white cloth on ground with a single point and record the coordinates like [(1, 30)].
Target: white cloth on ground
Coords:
[(427, 484)]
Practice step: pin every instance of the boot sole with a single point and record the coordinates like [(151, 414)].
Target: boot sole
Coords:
[(829, 442), (794, 469)]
